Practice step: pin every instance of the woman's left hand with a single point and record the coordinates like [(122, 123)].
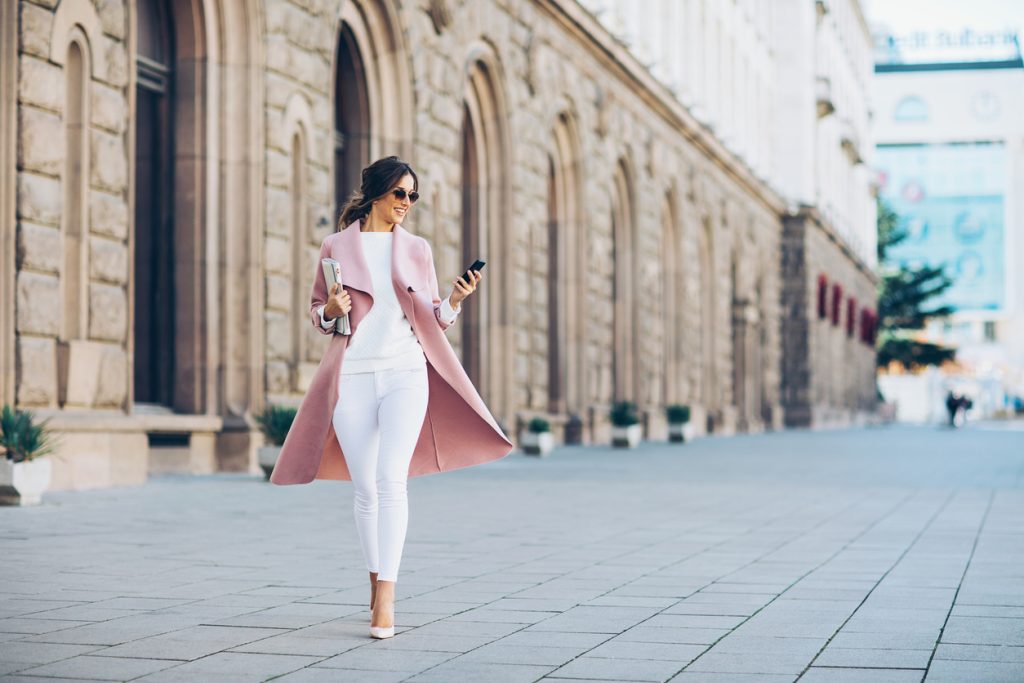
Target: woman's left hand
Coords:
[(462, 289)]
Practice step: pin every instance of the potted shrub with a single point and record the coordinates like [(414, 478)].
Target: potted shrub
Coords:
[(24, 468), (678, 416), (538, 439), (274, 421), (626, 429)]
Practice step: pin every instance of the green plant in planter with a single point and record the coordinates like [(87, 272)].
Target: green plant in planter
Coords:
[(624, 414), (677, 414), (275, 421), (21, 438), (538, 425)]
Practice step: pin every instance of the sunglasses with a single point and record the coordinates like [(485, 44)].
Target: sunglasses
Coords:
[(400, 194)]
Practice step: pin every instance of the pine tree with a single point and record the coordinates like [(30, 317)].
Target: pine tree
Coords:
[(903, 294)]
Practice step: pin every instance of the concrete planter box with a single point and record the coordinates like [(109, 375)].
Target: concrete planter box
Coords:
[(680, 432), (537, 443), (626, 437), (22, 483), (267, 456)]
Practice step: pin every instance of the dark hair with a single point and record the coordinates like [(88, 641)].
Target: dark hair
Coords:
[(378, 178)]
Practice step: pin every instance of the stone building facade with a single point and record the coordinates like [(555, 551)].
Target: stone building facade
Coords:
[(169, 168)]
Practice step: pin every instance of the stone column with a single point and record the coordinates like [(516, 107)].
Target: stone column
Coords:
[(8, 133)]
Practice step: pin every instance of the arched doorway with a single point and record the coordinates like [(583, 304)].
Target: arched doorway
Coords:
[(624, 362), (673, 299), (706, 262), (352, 131), (156, 353), (472, 200), (488, 338)]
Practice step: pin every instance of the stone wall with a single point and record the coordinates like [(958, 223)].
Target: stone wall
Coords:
[(90, 368), (540, 71), (828, 375), (549, 87)]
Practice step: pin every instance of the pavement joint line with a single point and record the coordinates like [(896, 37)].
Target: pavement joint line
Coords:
[(899, 504), (681, 560), (782, 544), (917, 537), (963, 575)]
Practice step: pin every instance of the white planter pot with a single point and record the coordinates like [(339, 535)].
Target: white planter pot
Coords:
[(267, 456), (537, 443), (677, 432), (22, 483), (627, 437)]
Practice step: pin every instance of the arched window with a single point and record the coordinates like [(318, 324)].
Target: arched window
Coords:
[(707, 315), (487, 350), (299, 242), (74, 275), (155, 247), (352, 121), (672, 302), (910, 108), (566, 281), (625, 376), (471, 229)]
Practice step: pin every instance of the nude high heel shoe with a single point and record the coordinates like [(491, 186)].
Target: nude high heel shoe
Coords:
[(383, 631)]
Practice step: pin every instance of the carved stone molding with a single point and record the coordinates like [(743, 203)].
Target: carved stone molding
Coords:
[(440, 14)]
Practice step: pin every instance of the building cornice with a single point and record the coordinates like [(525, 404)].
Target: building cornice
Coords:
[(618, 60), (812, 214)]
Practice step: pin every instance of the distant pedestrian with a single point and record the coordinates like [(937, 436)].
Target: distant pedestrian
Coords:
[(952, 407), (401, 404)]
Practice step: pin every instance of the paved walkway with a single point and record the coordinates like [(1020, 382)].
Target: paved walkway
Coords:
[(886, 554)]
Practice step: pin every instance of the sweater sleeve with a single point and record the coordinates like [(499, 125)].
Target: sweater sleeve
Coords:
[(439, 305)]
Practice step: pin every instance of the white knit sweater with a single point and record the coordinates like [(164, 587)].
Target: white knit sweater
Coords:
[(385, 340)]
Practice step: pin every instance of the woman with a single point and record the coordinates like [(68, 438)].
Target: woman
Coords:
[(401, 404)]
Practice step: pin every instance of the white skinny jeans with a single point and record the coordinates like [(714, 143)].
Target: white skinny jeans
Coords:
[(378, 422)]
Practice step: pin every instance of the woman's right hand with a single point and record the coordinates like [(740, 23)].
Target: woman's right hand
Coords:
[(339, 303)]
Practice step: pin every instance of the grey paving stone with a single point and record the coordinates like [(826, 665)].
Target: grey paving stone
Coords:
[(313, 675), (692, 636), (957, 671), (980, 653), (502, 653), (790, 529), (40, 653), (619, 669), (751, 663), (694, 621), (456, 670), (592, 619), (625, 649), (100, 668), (291, 644), (188, 643), (882, 641), (410, 661), (580, 641), (258, 666), (819, 674), (984, 631), (710, 677), (874, 658), (29, 626), (740, 643)]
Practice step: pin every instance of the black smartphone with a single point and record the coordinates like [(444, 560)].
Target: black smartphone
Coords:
[(477, 265)]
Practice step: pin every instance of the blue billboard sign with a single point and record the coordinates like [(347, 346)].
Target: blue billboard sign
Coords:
[(950, 199)]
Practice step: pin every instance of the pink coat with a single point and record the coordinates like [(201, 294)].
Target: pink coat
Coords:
[(458, 430)]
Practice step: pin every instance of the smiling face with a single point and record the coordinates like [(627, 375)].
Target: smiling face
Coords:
[(391, 209)]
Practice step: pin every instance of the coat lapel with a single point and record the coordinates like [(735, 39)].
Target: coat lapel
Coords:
[(348, 251), (355, 272)]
